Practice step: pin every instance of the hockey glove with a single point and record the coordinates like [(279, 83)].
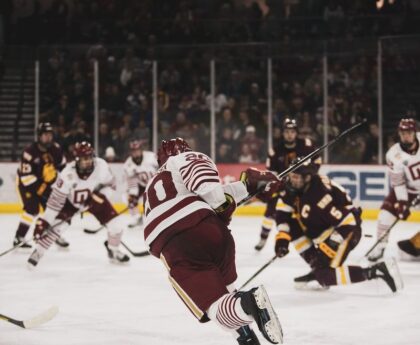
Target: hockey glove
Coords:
[(255, 179), (41, 227), (281, 247), (225, 210), (403, 209), (133, 201)]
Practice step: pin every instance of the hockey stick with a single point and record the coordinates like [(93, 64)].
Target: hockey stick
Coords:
[(36, 321), (135, 254), (97, 189), (259, 271), (304, 159), (95, 231), (413, 203)]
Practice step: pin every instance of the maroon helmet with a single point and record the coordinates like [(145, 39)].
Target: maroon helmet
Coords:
[(407, 125), (173, 147), (82, 152)]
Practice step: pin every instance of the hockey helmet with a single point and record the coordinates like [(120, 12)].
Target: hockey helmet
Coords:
[(136, 148), (407, 124), (84, 154), (295, 183), (45, 141), (173, 147), (289, 123), (45, 127)]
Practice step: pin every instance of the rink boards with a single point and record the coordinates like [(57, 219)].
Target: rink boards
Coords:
[(367, 185)]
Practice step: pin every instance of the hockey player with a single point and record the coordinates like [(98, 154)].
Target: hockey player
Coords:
[(84, 184), (318, 217), (138, 169), (40, 163), (187, 212), (279, 159), (411, 246), (403, 160)]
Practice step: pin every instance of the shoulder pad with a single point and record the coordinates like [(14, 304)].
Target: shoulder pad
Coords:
[(27, 156)]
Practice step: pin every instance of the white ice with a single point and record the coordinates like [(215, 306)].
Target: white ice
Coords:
[(105, 304)]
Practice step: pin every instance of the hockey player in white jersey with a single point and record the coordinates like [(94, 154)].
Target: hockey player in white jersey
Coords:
[(138, 170), (187, 213), (85, 184), (403, 160)]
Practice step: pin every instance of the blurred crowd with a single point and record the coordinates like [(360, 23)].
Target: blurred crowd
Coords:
[(142, 28)]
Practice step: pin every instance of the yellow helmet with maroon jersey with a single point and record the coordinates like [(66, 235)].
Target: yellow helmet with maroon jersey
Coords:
[(170, 148), (84, 154)]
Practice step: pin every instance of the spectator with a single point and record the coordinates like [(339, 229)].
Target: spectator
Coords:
[(370, 155), (105, 139), (253, 145), (120, 143)]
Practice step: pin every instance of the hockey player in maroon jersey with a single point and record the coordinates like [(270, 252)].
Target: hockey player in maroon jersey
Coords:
[(187, 213), (40, 163), (84, 184), (279, 159), (403, 160), (318, 217)]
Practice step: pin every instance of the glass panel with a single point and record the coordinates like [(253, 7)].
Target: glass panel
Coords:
[(352, 89), (241, 104), (66, 93), (298, 91), (183, 97), (125, 101), (401, 83)]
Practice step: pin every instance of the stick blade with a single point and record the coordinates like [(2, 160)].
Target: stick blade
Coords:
[(42, 318)]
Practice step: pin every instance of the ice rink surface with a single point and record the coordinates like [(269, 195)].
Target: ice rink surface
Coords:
[(105, 304)]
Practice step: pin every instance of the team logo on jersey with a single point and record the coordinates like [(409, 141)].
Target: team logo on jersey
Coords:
[(414, 170)]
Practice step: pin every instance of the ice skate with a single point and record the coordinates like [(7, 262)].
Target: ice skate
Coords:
[(388, 272), (136, 222), (115, 255), (61, 242), (260, 245), (247, 336), (308, 282), (19, 240), (256, 303), (378, 253), (34, 258)]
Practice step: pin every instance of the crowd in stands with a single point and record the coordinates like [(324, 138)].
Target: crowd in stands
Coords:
[(141, 28)]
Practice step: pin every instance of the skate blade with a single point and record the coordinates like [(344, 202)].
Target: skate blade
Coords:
[(394, 270), (273, 327), (310, 286)]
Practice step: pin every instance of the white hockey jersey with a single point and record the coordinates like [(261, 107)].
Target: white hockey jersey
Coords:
[(404, 170), (185, 189), (69, 186), (139, 175)]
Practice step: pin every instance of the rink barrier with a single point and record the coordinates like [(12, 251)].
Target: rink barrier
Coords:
[(248, 210)]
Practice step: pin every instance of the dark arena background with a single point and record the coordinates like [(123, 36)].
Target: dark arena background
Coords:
[(233, 78)]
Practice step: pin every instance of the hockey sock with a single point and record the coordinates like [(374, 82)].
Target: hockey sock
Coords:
[(24, 225), (385, 221), (228, 312), (114, 240), (342, 275), (47, 240), (267, 225)]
